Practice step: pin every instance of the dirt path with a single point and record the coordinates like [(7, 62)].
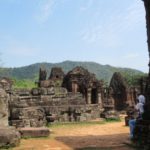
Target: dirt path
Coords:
[(110, 136)]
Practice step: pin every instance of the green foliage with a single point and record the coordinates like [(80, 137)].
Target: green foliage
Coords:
[(113, 120), (25, 83), (81, 124), (8, 147), (133, 79), (31, 137), (103, 72), (74, 124), (57, 83)]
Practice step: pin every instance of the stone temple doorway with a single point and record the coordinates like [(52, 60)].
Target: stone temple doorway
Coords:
[(94, 96)]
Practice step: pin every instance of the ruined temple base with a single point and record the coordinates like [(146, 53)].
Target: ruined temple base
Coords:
[(110, 114), (34, 132), (9, 137)]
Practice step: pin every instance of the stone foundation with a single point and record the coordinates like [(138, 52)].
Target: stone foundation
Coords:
[(40, 106), (34, 132)]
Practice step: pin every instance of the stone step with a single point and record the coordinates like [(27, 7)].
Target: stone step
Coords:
[(34, 132)]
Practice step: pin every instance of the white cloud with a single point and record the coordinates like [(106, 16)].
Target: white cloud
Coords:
[(46, 8), (109, 32), (98, 35), (91, 34), (132, 56), (16, 48), (24, 51), (133, 16)]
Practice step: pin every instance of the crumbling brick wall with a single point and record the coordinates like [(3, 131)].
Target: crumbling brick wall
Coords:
[(39, 106)]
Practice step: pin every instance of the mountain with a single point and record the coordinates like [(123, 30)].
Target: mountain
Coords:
[(104, 72)]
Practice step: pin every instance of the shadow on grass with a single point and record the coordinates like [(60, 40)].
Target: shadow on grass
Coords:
[(94, 142), (92, 148)]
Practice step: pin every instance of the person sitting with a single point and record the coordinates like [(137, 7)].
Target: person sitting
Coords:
[(140, 110)]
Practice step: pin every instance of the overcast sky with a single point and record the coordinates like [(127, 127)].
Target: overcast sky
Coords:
[(104, 31)]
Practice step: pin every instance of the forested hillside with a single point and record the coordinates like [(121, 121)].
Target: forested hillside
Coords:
[(103, 72)]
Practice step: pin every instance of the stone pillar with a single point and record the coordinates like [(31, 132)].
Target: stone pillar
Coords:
[(89, 96), (147, 9), (3, 108), (9, 136), (99, 98), (74, 87)]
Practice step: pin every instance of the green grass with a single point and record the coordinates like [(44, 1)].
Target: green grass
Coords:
[(72, 124), (31, 137), (113, 120), (7, 147), (81, 124), (23, 84)]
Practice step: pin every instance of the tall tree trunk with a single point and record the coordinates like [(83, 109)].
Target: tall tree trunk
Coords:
[(147, 8)]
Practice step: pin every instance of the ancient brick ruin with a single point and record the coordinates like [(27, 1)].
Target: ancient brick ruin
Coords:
[(123, 95), (76, 96), (9, 136), (79, 80)]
